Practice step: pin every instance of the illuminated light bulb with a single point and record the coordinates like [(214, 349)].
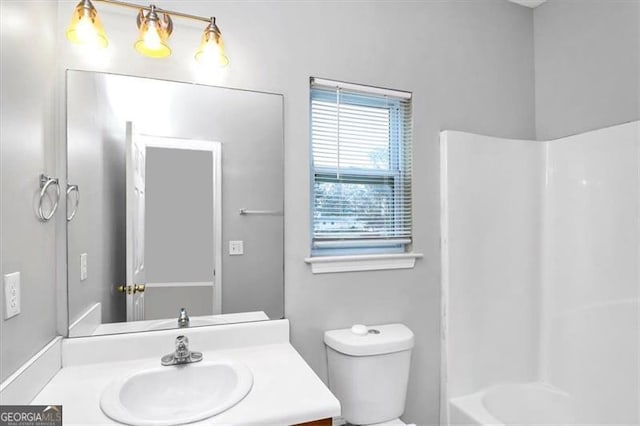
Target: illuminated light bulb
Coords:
[(154, 33), (152, 38), (211, 50), (85, 28)]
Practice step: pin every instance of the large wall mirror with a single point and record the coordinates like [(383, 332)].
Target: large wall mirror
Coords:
[(180, 212)]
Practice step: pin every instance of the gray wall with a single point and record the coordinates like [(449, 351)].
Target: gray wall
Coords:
[(470, 67), (587, 60), (469, 64), (95, 153), (28, 136)]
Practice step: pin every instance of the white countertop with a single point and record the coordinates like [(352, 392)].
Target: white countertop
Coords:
[(285, 390)]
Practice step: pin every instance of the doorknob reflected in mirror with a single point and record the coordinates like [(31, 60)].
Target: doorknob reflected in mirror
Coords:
[(131, 289)]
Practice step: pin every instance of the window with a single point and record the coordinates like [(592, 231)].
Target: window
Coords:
[(361, 169)]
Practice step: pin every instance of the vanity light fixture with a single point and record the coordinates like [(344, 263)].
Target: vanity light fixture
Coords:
[(211, 49), (154, 32), (85, 27), (155, 25)]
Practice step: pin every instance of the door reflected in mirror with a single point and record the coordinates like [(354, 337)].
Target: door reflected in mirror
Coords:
[(168, 172), (173, 226)]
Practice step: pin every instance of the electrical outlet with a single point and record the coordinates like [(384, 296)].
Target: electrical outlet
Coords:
[(12, 295), (236, 248), (83, 266)]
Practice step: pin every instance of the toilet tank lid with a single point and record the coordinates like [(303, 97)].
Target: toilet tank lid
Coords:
[(381, 339)]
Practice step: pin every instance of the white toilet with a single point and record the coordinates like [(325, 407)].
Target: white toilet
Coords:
[(369, 370)]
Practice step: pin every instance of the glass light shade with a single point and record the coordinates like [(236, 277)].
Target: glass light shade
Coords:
[(211, 50), (152, 40), (85, 27)]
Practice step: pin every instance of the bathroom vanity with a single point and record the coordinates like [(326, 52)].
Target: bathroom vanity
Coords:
[(284, 390)]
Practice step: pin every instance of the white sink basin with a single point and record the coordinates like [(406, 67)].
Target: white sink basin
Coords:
[(176, 394)]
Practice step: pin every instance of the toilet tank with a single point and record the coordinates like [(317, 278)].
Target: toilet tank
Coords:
[(368, 370)]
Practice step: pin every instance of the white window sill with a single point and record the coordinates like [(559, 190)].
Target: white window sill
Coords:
[(366, 262)]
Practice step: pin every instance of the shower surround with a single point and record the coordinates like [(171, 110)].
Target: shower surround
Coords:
[(540, 278)]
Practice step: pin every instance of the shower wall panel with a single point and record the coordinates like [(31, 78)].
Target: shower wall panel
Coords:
[(491, 189), (590, 267), (540, 269)]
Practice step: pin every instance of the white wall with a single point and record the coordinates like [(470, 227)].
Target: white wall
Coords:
[(28, 136), (492, 244), (590, 296), (587, 65)]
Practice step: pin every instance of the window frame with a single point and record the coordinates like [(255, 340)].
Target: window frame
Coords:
[(393, 245)]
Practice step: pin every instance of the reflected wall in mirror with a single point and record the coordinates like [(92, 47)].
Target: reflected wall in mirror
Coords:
[(164, 170)]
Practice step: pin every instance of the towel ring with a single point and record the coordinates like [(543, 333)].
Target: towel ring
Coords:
[(45, 183), (70, 189)]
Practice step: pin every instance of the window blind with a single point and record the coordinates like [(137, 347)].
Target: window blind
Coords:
[(361, 164)]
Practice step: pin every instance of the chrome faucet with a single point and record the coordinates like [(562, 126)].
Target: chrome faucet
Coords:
[(182, 354), (183, 318)]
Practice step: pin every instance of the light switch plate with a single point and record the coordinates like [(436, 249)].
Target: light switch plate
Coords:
[(12, 295), (83, 266), (236, 248)]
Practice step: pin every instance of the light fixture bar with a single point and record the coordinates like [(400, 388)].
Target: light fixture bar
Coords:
[(155, 26), (158, 9)]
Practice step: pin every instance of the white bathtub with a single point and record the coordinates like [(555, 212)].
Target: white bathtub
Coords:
[(513, 404)]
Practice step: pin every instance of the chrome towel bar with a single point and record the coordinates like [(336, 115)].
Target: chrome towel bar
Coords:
[(244, 212)]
